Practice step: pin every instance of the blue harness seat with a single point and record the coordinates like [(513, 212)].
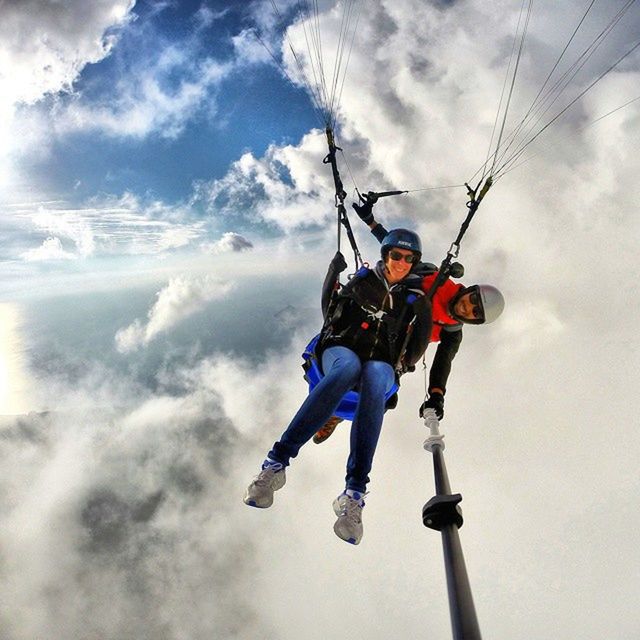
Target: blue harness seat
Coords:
[(313, 374)]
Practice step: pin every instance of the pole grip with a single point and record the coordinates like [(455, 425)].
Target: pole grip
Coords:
[(435, 439)]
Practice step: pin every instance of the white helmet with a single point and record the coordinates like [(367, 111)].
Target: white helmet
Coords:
[(492, 302), (489, 300)]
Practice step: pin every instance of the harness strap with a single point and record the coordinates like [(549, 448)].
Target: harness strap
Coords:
[(341, 194), (472, 205), (393, 325)]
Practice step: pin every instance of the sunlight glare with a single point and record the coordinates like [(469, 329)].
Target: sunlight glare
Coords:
[(12, 378)]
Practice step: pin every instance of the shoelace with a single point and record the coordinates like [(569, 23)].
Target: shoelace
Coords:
[(265, 476), (352, 509)]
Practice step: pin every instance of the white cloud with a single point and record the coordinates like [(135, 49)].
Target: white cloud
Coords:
[(229, 243), (425, 113), (150, 495), (282, 188), (137, 492), (109, 225), (161, 90), (142, 103), (70, 225), (50, 249), (175, 238), (181, 298), (249, 49), (538, 418), (205, 16), (44, 46)]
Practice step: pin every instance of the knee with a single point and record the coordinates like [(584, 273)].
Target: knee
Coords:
[(378, 375), (347, 365), (350, 368)]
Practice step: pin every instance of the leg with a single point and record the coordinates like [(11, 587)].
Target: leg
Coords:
[(342, 369), (376, 380)]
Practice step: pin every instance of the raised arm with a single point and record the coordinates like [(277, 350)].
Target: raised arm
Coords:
[(365, 213)]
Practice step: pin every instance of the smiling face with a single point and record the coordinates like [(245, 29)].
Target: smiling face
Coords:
[(397, 265), (468, 307)]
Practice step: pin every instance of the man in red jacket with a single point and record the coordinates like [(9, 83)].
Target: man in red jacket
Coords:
[(453, 305)]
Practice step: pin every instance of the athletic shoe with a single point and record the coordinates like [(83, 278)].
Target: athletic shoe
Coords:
[(324, 432), (348, 507), (260, 492)]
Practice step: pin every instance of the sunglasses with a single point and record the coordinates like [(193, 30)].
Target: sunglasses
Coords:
[(410, 258), (474, 299)]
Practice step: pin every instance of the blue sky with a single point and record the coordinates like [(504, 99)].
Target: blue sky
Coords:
[(165, 225), (169, 98), (252, 107), (248, 110)]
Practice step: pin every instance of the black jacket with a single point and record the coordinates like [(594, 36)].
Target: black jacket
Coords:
[(374, 318), (449, 339)]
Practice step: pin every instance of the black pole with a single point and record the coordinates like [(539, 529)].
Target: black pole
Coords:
[(442, 513)]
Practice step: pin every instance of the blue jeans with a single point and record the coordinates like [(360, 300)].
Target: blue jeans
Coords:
[(343, 371)]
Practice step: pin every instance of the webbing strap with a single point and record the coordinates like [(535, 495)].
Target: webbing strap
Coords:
[(341, 194), (472, 206)]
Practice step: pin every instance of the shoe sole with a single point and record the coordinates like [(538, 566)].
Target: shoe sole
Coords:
[(338, 511), (252, 503), (327, 430), (351, 540)]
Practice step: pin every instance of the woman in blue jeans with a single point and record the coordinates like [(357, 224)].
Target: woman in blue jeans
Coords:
[(376, 327)]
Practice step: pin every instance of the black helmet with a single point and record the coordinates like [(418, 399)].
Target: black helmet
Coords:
[(489, 300), (402, 239)]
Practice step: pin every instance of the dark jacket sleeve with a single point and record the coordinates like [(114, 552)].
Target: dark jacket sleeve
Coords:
[(421, 333), (446, 352), (379, 231), (336, 267)]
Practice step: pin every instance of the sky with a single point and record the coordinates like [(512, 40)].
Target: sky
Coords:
[(166, 221)]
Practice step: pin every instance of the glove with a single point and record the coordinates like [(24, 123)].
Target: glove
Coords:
[(338, 262), (364, 211), (436, 402)]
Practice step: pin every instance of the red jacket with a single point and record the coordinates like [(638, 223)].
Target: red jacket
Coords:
[(440, 304)]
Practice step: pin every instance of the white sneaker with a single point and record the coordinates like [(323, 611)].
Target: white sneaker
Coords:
[(260, 492), (348, 508)]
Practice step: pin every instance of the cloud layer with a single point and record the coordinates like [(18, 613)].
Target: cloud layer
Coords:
[(181, 298), (126, 514), (107, 225), (47, 45), (44, 47)]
